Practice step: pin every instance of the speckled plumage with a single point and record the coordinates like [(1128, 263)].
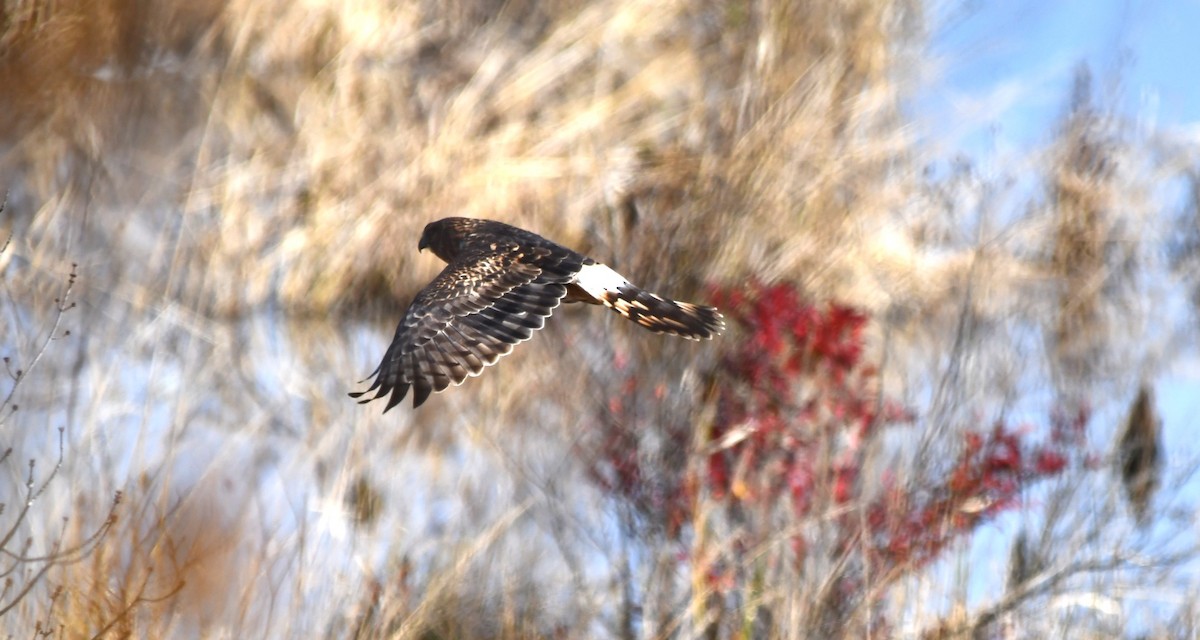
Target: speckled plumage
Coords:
[(499, 286)]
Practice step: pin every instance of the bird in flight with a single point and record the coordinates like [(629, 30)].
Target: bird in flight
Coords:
[(499, 285)]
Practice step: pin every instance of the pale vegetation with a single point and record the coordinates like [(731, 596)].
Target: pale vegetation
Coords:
[(210, 231)]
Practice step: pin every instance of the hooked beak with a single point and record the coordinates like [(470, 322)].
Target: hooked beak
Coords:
[(422, 245)]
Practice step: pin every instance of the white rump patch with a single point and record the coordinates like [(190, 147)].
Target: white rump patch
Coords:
[(596, 279)]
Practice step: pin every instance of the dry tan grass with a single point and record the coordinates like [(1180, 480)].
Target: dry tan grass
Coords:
[(208, 162), (331, 133)]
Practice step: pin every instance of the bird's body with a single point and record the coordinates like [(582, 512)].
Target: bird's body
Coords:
[(499, 285)]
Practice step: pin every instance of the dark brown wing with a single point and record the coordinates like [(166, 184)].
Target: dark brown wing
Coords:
[(468, 317)]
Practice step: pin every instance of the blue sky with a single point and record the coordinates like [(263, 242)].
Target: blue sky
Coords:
[(1008, 65), (1006, 69), (1002, 76)]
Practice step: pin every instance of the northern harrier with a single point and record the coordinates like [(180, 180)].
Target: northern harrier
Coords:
[(498, 287)]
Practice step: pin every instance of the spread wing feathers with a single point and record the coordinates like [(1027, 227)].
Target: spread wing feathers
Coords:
[(651, 311), (468, 318)]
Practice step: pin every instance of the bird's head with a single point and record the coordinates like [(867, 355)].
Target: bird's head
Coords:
[(445, 237)]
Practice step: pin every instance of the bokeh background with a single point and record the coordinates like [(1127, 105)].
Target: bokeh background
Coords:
[(957, 245)]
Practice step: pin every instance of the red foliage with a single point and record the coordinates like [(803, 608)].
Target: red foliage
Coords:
[(796, 394), (807, 399), (795, 407), (914, 525)]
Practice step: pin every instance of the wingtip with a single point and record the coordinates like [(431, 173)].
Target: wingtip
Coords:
[(398, 393), (421, 393), (372, 375)]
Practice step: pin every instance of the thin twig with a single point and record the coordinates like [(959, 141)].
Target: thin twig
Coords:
[(62, 305)]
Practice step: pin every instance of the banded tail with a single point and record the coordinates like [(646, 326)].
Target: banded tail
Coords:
[(660, 315)]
